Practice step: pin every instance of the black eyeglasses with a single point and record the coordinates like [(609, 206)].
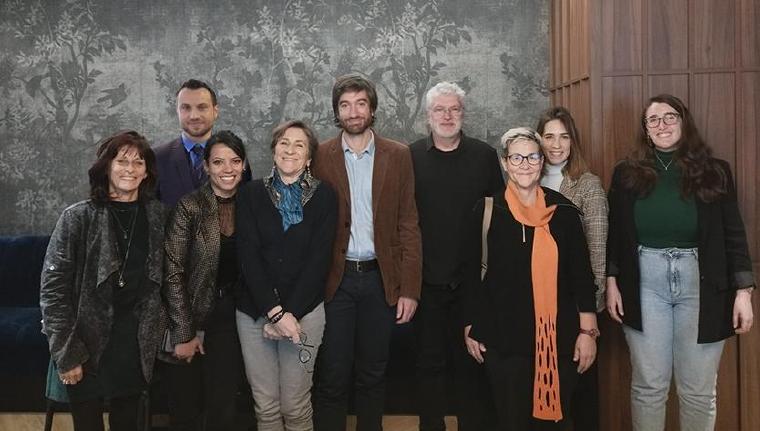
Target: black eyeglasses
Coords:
[(669, 119), (304, 354), (517, 159)]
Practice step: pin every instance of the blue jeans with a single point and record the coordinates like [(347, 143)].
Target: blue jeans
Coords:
[(667, 347)]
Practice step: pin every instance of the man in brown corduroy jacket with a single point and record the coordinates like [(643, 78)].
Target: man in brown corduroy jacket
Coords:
[(374, 280)]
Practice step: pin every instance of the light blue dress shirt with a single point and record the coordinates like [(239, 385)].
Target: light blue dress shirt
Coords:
[(361, 244)]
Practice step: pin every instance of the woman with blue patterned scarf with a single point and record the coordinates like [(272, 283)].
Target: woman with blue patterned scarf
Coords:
[(286, 225)]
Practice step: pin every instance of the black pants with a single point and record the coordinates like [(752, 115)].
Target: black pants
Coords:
[(124, 414), (357, 335), (585, 402), (511, 379), (204, 391), (439, 329)]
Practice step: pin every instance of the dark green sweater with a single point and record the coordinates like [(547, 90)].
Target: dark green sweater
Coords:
[(664, 218)]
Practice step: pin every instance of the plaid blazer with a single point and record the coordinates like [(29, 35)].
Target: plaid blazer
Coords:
[(587, 194), (192, 259)]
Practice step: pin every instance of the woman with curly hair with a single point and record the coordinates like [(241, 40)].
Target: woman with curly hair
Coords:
[(679, 275)]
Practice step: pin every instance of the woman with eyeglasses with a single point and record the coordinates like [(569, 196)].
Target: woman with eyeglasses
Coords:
[(679, 275), (532, 316), (100, 287), (286, 224), (567, 173), (202, 273)]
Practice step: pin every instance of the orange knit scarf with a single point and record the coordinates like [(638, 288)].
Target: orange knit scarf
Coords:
[(543, 270)]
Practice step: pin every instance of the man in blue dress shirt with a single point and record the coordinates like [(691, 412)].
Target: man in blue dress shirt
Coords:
[(374, 280), (180, 162)]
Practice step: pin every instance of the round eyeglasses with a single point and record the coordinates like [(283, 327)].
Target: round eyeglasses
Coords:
[(304, 354), (533, 159), (668, 119)]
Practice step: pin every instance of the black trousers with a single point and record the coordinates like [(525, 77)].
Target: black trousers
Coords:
[(439, 329), (202, 394), (585, 402), (123, 416), (511, 379), (357, 335)]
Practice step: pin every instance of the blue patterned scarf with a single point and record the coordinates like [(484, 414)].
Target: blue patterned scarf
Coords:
[(289, 203)]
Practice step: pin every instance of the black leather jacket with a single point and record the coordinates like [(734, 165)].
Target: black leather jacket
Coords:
[(81, 264)]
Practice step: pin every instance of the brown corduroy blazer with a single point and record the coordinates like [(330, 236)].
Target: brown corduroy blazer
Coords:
[(397, 238)]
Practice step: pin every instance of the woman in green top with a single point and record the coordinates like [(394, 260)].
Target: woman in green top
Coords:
[(679, 276)]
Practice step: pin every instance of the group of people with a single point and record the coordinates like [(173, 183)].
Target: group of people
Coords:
[(296, 279)]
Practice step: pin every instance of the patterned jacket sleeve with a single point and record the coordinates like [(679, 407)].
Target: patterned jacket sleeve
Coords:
[(595, 211), (179, 235), (58, 292)]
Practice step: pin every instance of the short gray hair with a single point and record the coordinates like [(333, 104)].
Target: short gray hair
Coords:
[(517, 134), (444, 88)]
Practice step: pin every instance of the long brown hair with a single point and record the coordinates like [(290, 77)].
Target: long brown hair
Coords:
[(702, 176), (576, 164)]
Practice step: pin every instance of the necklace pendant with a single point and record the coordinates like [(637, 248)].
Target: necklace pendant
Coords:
[(121, 282)]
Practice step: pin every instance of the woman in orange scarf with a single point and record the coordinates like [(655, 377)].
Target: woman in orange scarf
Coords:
[(532, 318)]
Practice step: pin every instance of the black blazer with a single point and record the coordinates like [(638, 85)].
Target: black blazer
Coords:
[(724, 262), (283, 267), (500, 308), (175, 177)]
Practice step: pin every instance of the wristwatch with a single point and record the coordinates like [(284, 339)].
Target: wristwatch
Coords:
[(593, 332)]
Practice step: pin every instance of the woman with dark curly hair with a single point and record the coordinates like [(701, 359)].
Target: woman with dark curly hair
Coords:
[(679, 275), (100, 290)]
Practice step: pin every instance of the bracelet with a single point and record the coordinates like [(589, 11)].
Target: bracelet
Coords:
[(277, 316), (593, 332)]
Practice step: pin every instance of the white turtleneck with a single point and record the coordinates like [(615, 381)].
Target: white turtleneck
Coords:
[(553, 177)]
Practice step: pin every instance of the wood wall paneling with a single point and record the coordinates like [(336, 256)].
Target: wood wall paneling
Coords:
[(713, 33), (566, 40), (621, 106), (748, 159), (668, 30), (578, 35), (615, 377), (556, 48), (583, 39), (621, 30), (750, 33), (675, 84), (713, 106), (747, 179)]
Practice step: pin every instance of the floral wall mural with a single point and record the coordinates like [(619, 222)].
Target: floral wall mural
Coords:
[(74, 71)]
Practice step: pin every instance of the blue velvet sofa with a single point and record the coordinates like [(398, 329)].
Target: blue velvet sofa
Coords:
[(24, 358)]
